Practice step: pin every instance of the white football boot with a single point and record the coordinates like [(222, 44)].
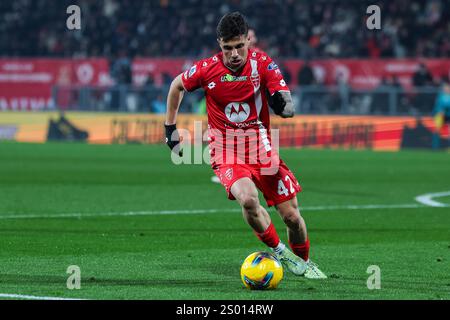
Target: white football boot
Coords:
[(313, 271), (290, 261)]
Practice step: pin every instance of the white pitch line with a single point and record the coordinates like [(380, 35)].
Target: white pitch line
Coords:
[(426, 199), (113, 214), (364, 207), (28, 297), (204, 211)]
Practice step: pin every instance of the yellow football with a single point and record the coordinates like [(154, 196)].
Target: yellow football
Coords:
[(261, 270)]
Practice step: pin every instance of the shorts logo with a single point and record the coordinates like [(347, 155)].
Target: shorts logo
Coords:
[(211, 85), (237, 111), (229, 173), (282, 83)]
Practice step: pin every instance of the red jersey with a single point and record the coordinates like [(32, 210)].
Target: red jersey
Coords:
[(236, 101)]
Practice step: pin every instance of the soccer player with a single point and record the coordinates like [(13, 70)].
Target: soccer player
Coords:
[(252, 44), (235, 82)]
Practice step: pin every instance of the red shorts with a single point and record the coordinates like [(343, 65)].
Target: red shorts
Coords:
[(276, 188)]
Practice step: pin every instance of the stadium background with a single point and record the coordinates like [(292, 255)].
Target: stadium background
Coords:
[(126, 54), (353, 88)]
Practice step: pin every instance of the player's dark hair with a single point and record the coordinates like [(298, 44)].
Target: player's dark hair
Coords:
[(232, 25)]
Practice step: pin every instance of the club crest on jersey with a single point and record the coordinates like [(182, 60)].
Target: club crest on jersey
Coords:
[(256, 80), (237, 111)]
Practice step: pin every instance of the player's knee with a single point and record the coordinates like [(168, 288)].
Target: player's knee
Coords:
[(294, 205), (292, 219), (249, 202)]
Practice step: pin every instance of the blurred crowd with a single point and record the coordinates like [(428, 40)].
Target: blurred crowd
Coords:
[(286, 28), (122, 29), (388, 97)]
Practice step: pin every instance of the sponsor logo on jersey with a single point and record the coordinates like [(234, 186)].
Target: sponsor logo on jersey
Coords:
[(211, 85), (229, 78), (192, 70), (272, 66), (237, 111), (243, 125)]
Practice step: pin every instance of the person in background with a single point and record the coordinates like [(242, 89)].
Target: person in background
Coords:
[(380, 96), (306, 75), (422, 77), (158, 105), (441, 113), (422, 81), (201, 109), (253, 39)]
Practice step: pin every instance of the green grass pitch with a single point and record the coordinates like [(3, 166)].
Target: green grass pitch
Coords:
[(164, 251)]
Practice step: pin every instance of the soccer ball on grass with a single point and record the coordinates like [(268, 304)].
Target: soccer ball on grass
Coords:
[(261, 270)]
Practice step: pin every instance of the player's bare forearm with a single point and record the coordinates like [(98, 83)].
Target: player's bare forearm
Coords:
[(174, 98)]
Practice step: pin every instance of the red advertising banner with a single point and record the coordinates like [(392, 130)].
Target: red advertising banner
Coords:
[(358, 73), (143, 67), (367, 74), (26, 84)]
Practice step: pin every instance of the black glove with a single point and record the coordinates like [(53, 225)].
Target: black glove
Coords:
[(276, 102), (173, 139)]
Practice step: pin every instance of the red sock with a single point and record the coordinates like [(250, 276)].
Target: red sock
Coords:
[(302, 250), (269, 237)]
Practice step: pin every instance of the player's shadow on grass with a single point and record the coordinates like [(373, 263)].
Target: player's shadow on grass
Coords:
[(60, 281), (223, 269), (345, 285)]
